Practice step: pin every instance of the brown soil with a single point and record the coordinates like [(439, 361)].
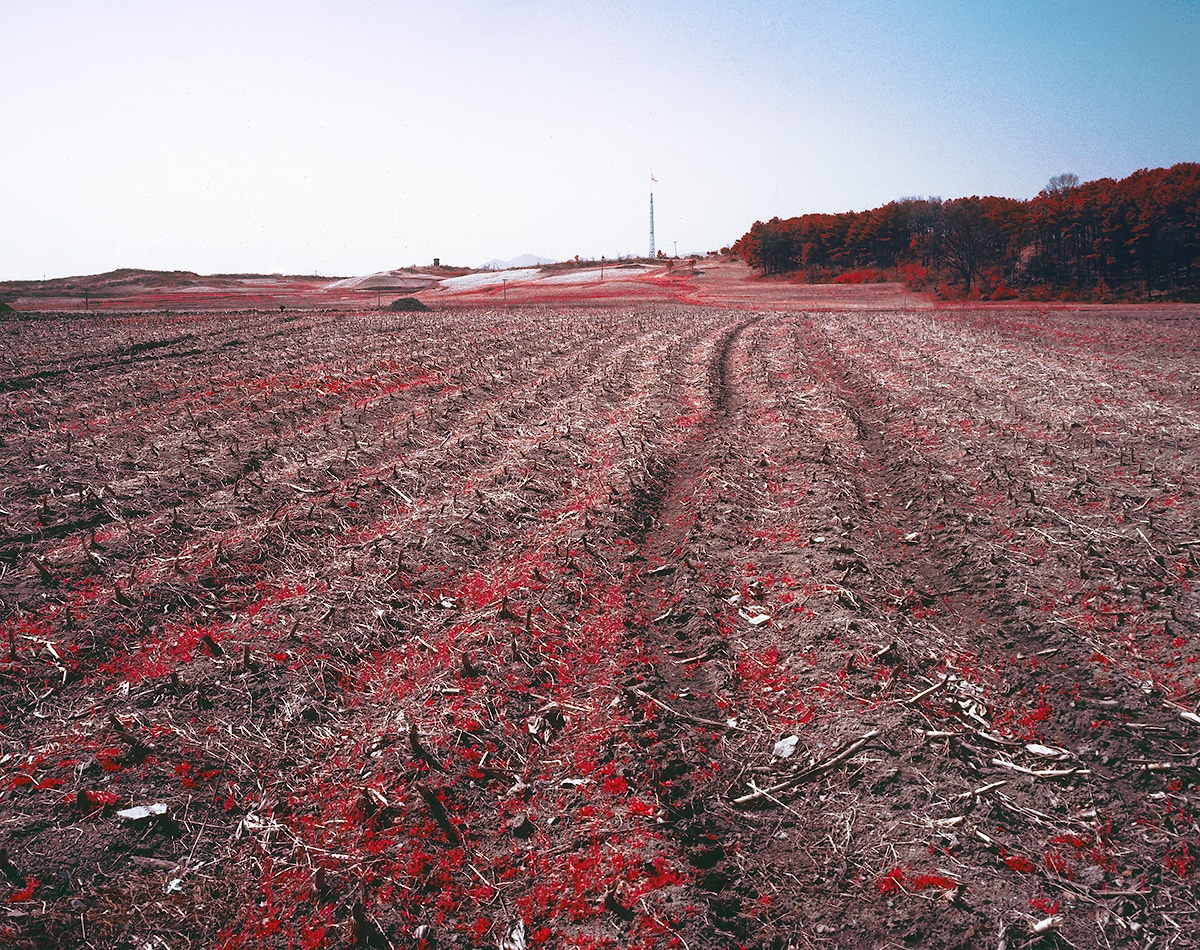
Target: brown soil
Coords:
[(451, 620)]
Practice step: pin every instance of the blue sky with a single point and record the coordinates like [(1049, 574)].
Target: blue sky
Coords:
[(353, 137)]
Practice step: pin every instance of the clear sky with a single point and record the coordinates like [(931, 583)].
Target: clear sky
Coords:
[(350, 137)]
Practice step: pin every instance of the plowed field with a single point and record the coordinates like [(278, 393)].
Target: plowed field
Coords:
[(656, 626)]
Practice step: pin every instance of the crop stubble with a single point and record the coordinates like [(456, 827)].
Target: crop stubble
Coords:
[(443, 620)]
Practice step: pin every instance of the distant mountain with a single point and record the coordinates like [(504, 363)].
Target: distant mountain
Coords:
[(525, 260)]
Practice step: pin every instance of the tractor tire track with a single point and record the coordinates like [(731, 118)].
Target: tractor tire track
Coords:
[(673, 604)]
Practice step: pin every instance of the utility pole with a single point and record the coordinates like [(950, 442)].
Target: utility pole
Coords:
[(676, 243)]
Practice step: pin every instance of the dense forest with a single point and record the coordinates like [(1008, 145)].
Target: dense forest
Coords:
[(1133, 238)]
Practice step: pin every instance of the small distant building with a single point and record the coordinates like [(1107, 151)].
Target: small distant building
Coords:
[(437, 262)]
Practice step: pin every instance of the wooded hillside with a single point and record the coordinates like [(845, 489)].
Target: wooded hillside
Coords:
[(1134, 237)]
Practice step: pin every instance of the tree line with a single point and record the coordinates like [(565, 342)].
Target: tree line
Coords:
[(1128, 238)]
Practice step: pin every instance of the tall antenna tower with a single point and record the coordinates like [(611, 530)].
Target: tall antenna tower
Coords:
[(652, 178), (651, 225)]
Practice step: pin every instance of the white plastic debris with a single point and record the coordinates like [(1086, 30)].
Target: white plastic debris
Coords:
[(1045, 750), (786, 747), (754, 619), (174, 882), (142, 812), (1047, 925)]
